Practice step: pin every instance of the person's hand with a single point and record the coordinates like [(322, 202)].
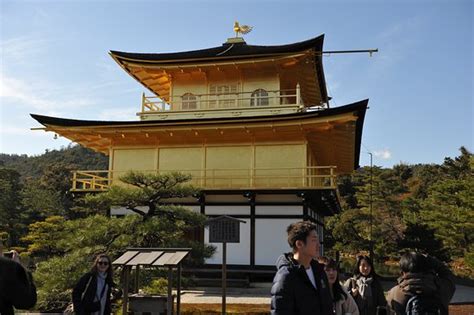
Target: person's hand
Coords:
[(354, 291)]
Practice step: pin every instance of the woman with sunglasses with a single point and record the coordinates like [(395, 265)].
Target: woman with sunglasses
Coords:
[(91, 295), (366, 289), (343, 303)]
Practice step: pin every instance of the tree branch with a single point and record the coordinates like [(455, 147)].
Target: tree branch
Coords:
[(140, 212)]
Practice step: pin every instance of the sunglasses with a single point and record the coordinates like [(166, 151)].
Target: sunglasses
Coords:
[(103, 263)]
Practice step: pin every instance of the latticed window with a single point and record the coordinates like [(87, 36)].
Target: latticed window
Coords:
[(222, 96), (259, 98), (188, 101)]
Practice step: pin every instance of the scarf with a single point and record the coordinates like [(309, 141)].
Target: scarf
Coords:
[(365, 289), (101, 285)]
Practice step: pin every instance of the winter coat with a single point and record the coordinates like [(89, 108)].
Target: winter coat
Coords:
[(437, 283), (90, 294), (346, 305), (294, 294), (16, 287), (378, 297)]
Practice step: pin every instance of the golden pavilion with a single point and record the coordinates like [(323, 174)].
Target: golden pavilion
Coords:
[(251, 124)]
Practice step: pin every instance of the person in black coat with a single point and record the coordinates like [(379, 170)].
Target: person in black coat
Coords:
[(300, 286), (91, 295), (16, 285)]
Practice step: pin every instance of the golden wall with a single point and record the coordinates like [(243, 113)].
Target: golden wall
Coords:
[(199, 83), (269, 81), (220, 166)]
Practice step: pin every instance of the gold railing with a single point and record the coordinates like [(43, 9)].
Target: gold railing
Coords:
[(222, 101), (315, 177)]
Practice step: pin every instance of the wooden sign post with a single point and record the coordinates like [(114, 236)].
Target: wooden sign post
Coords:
[(224, 229)]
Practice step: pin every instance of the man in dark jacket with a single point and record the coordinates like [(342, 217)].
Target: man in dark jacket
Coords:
[(16, 285), (300, 285), (425, 276)]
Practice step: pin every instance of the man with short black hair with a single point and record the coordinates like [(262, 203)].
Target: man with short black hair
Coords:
[(424, 276), (300, 285)]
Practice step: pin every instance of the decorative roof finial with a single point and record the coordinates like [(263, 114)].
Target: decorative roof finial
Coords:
[(242, 29)]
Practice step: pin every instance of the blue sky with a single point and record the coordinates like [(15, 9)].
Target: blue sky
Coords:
[(54, 61)]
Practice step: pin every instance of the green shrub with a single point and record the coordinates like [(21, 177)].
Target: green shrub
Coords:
[(156, 287)]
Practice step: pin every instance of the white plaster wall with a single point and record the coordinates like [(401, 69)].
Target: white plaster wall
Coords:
[(226, 198), (237, 253), (271, 240), (277, 198), (279, 210), (227, 210)]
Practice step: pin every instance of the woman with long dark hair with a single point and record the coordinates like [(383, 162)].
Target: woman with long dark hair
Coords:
[(91, 295), (342, 301), (365, 288)]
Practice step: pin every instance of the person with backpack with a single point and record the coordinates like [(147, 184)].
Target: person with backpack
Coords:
[(425, 286), (366, 289)]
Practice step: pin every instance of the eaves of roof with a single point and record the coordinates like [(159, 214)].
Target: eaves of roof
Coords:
[(359, 107)]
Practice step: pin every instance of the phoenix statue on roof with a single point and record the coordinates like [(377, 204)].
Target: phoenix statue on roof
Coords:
[(242, 29)]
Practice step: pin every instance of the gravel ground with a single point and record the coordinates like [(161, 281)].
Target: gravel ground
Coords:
[(259, 293)]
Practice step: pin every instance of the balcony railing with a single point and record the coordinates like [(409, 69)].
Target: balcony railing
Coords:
[(315, 177), (237, 100)]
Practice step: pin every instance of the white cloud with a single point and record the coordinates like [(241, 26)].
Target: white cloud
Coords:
[(384, 154), (20, 49), (35, 95)]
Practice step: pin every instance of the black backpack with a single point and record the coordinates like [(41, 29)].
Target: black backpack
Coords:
[(422, 305)]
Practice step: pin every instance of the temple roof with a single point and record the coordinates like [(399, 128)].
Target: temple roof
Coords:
[(237, 50), (334, 134), (66, 122), (154, 70)]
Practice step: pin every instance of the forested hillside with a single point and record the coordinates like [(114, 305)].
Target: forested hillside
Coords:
[(73, 157), (34, 188)]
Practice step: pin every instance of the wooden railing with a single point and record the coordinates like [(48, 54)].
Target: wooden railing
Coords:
[(315, 177), (223, 101), (91, 180)]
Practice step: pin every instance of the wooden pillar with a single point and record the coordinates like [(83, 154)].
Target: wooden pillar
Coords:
[(298, 94), (224, 276), (252, 230), (126, 271), (137, 277), (333, 184), (169, 306), (178, 300), (74, 180)]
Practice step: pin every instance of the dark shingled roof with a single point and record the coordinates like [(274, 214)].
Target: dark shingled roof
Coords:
[(359, 107), (225, 51), (65, 122)]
